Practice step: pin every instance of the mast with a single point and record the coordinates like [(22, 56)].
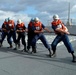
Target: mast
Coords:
[(69, 21), (69, 13)]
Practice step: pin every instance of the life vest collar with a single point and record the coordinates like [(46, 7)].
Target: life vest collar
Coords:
[(55, 23)]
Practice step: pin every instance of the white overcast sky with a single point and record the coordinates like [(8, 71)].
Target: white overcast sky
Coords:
[(44, 9)]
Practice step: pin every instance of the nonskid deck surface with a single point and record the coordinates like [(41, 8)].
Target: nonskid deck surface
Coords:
[(20, 63)]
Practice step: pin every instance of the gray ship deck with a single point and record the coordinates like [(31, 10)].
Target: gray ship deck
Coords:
[(18, 63)]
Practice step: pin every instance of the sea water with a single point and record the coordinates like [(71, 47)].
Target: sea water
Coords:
[(50, 38)]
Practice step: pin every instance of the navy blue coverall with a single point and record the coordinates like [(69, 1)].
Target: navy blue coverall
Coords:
[(5, 32), (63, 38), (41, 37)]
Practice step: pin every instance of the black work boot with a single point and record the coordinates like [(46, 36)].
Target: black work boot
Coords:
[(28, 48), (16, 47), (54, 53), (10, 46), (19, 46), (50, 52), (24, 49), (34, 49), (74, 59), (0, 44)]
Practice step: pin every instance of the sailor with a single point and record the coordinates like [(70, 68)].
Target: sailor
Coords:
[(61, 32), (5, 31), (38, 30), (20, 29), (30, 34), (12, 33)]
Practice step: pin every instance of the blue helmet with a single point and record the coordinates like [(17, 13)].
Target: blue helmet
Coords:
[(9, 18), (6, 20), (32, 20)]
